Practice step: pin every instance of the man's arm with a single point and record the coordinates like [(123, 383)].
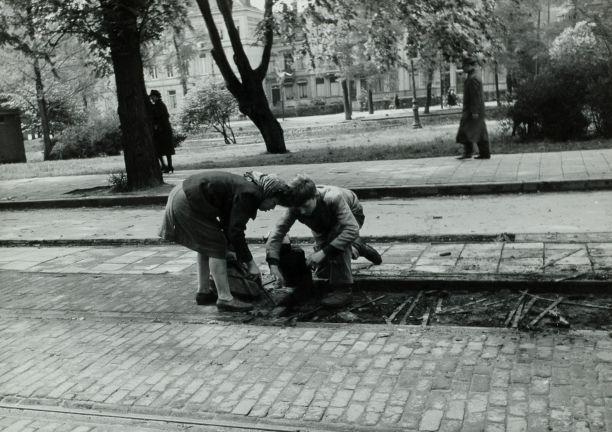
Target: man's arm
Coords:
[(345, 220), (475, 91), (275, 240)]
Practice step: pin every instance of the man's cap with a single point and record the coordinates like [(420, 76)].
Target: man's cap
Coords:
[(154, 93)]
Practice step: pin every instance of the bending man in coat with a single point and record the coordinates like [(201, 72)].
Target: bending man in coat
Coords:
[(334, 216), (472, 128)]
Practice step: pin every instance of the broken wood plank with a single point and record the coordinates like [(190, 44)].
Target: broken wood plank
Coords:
[(439, 305), (426, 316), (396, 311), (556, 260), (411, 307), (576, 276), (513, 311), (528, 307), (586, 305), (555, 314), (460, 307), (545, 311), (517, 315)]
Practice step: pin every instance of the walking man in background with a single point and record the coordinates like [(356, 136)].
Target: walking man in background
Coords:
[(472, 128)]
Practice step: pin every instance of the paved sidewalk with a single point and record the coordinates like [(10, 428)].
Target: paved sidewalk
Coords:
[(498, 261), (101, 345), (571, 170)]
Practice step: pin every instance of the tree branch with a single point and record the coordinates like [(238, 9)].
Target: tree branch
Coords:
[(240, 58), (262, 69), (232, 82)]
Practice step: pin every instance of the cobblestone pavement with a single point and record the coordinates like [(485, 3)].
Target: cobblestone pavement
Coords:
[(482, 215), (582, 165), (131, 345), (532, 261)]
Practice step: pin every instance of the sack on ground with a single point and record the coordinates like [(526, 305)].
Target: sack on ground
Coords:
[(242, 284)]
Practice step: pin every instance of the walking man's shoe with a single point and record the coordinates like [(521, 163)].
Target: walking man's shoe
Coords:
[(465, 156), (367, 251), (483, 157)]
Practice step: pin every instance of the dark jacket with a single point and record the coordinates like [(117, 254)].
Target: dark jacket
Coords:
[(333, 223), (231, 198), (472, 130), (162, 131)]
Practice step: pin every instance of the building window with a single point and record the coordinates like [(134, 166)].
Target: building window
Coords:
[(334, 86), (303, 90), (172, 98), (169, 71), (153, 71), (320, 85), (289, 92), (288, 57)]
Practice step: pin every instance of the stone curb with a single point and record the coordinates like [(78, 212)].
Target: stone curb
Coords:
[(456, 238), (375, 192)]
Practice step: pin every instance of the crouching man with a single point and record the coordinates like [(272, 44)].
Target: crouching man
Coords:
[(334, 216)]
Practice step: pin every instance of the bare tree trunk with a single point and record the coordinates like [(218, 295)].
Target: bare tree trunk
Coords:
[(497, 97), (181, 63), (370, 102), (42, 111), (248, 91), (429, 84), (442, 87), (346, 99), (141, 163)]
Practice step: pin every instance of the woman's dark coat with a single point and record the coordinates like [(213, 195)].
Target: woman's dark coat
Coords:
[(162, 131)]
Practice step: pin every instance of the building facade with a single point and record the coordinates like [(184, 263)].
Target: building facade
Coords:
[(291, 85)]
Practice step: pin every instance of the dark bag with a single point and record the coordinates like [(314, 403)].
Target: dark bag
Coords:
[(292, 264), (242, 284)]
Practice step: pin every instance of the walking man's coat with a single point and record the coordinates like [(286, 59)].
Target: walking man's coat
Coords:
[(472, 128)]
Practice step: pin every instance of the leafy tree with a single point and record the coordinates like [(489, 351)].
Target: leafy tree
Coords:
[(116, 30), (248, 90), (209, 106), (23, 30)]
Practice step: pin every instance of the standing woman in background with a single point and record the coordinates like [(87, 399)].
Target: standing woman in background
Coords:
[(162, 131)]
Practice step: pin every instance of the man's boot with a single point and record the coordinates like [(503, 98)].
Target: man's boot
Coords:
[(367, 251)]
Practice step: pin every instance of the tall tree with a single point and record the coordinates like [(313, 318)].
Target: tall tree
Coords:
[(248, 90), (23, 30), (117, 29)]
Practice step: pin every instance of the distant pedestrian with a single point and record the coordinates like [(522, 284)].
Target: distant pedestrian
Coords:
[(162, 131), (334, 215), (451, 98), (397, 101), (208, 213), (472, 128)]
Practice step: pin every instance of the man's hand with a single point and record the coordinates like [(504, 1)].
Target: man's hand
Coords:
[(280, 280), (315, 259), (253, 269)]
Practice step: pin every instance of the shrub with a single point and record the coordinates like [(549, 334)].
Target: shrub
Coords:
[(118, 181), (97, 137), (550, 106), (208, 106)]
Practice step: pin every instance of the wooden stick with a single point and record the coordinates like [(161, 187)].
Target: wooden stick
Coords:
[(439, 305), (551, 262), (396, 311), (426, 315), (411, 308), (527, 308), (545, 311), (517, 315), (456, 308), (513, 311), (586, 305), (576, 276), (555, 314), (370, 301)]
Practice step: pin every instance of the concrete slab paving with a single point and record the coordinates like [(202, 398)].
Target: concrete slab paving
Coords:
[(586, 166), (553, 213)]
